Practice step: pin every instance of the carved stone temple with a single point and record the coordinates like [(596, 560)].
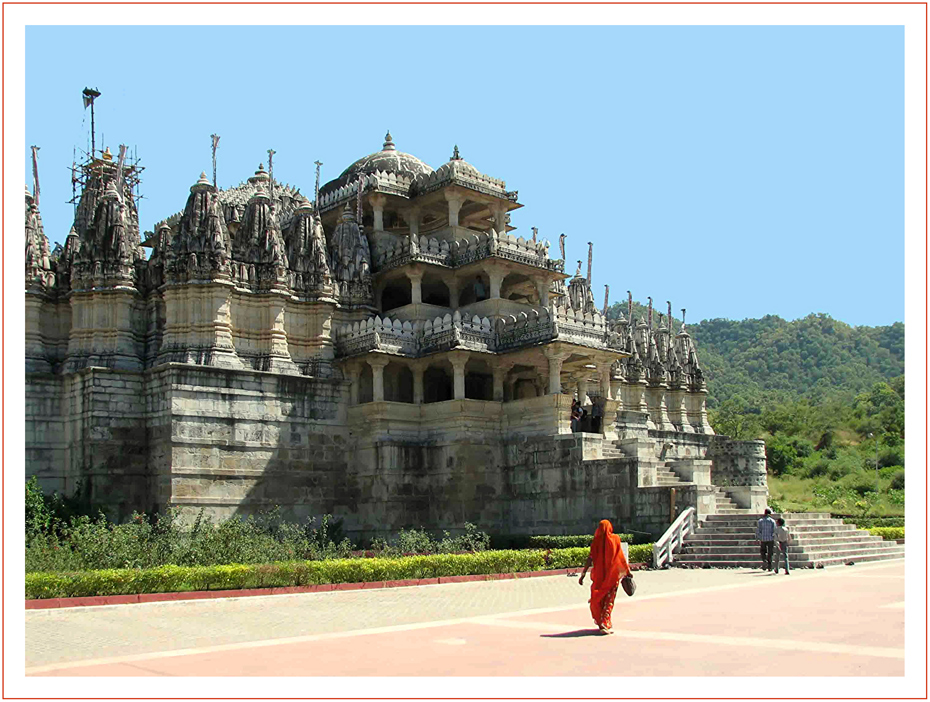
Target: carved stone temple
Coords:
[(386, 351)]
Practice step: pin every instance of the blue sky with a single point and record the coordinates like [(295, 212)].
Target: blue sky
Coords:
[(736, 171)]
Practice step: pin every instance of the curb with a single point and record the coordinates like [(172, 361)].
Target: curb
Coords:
[(97, 601)]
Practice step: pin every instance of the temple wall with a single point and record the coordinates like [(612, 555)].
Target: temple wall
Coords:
[(237, 442)]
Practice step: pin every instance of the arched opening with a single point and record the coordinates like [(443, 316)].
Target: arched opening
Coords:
[(475, 289), (435, 292), (519, 288), (524, 388), (396, 293), (398, 383), (437, 384), (365, 384), (479, 381)]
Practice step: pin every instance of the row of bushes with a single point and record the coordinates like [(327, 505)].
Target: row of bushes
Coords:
[(568, 541), (869, 522), (173, 578), (888, 533)]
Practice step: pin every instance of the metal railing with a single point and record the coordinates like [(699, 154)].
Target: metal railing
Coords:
[(663, 550)]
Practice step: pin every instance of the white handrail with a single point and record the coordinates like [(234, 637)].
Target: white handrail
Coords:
[(673, 538)]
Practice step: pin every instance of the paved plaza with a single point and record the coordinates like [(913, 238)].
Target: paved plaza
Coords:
[(843, 621)]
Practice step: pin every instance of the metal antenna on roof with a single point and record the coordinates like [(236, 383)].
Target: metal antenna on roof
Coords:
[(35, 173), (91, 94), (216, 142)]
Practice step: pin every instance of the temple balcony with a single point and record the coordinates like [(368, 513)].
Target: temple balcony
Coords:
[(500, 334)]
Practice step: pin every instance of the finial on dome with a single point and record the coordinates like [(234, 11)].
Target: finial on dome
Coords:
[(203, 179), (347, 214), (388, 142), (455, 154), (107, 156)]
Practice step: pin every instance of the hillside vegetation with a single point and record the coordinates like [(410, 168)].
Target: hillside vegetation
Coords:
[(827, 398)]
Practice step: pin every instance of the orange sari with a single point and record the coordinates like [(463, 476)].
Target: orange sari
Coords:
[(609, 565)]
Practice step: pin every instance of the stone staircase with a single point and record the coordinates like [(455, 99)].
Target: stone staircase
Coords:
[(726, 505), (729, 541)]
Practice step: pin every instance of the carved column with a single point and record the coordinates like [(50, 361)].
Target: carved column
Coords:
[(377, 364), (500, 372), (454, 288), (377, 202), (279, 357), (497, 278), (455, 204), (352, 371), (418, 370), (413, 220), (415, 277), (542, 287), (555, 371), (499, 215), (581, 385), (603, 373), (458, 359)]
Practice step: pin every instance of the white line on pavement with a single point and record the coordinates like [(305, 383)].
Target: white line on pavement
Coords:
[(785, 644)]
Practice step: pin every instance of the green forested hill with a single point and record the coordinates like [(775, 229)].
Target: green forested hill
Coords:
[(772, 360)]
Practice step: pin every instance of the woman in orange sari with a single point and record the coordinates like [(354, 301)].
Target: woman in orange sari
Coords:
[(609, 567)]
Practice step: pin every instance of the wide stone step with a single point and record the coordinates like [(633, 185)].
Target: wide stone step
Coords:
[(802, 552), (755, 564), (729, 540), (738, 560)]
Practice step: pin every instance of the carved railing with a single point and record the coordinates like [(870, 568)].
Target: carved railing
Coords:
[(536, 326), (450, 331), (525, 329), (379, 334), (671, 541), (414, 250), (455, 173), (379, 181), (478, 246)]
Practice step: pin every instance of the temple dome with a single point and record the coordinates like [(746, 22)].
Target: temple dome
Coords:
[(388, 160)]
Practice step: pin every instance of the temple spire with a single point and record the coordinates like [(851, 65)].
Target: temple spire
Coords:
[(590, 259)]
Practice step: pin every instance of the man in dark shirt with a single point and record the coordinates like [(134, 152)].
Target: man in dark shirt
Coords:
[(765, 533)]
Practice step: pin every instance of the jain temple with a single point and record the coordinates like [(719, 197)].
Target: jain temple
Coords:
[(388, 352)]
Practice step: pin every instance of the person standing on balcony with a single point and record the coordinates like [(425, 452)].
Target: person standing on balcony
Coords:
[(765, 534), (609, 566)]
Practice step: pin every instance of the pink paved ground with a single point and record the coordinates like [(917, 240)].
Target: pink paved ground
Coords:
[(847, 623)]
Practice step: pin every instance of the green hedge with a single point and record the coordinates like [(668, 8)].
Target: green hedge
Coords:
[(568, 541), (888, 533), (172, 578), (869, 522)]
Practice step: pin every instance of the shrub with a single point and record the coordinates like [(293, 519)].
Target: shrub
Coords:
[(888, 533), (897, 480), (173, 578), (568, 541)]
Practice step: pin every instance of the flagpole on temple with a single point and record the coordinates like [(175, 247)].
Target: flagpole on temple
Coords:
[(216, 142), (35, 173), (90, 94)]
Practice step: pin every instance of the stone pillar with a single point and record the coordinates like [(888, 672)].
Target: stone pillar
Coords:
[(455, 204), (499, 215), (353, 373), (416, 280), (418, 371), (603, 374), (377, 202), (500, 372), (454, 289), (413, 220), (581, 386), (377, 364), (555, 371), (458, 359), (542, 287), (278, 355), (497, 278)]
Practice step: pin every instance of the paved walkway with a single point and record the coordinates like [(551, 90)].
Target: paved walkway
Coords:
[(845, 621)]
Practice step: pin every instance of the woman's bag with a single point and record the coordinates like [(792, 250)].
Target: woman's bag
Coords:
[(628, 584)]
